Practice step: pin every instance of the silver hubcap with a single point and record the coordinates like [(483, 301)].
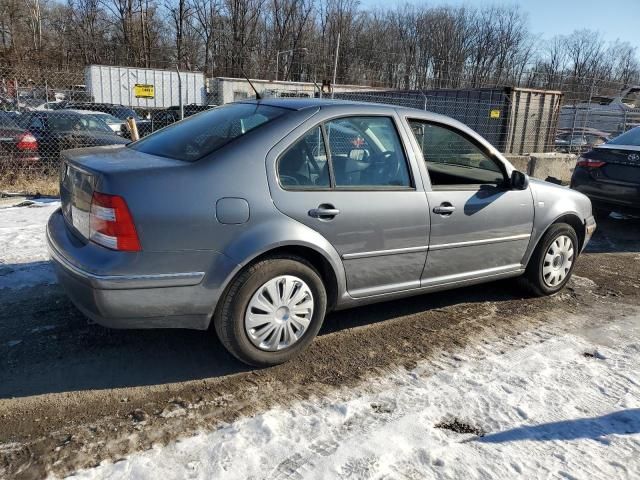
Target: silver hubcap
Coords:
[(279, 313), (557, 261)]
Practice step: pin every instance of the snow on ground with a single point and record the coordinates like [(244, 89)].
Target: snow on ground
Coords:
[(24, 260), (550, 405)]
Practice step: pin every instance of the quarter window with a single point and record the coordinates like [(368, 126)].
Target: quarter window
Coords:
[(452, 159), (304, 164)]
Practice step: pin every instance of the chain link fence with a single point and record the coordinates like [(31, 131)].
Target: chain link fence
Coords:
[(45, 112)]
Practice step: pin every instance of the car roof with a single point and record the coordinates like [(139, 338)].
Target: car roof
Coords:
[(56, 113), (96, 104), (363, 108), (82, 112), (302, 103)]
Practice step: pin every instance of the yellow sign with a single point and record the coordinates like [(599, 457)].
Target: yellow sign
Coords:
[(143, 91), (494, 113)]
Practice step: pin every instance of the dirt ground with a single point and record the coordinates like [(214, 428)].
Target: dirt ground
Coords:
[(73, 394)]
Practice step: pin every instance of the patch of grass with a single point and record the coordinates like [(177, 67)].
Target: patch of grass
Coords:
[(31, 182)]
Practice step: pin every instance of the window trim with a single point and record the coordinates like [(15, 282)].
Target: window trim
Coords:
[(460, 186), (349, 188)]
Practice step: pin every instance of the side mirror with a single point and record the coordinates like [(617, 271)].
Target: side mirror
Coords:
[(519, 180)]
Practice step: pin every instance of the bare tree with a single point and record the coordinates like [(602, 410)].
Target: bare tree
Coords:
[(411, 47)]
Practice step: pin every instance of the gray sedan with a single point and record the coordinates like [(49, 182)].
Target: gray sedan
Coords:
[(259, 217)]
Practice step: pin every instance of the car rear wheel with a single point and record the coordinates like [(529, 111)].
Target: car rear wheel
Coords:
[(552, 263), (271, 311)]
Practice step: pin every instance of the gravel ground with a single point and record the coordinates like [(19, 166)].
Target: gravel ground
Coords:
[(72, 394)]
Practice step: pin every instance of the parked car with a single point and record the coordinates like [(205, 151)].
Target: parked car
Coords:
[(15, 142), (162, 118), (579, 140), (259, 217), (55, 130), (119, 111), (114, 123), (610, 175), (56, 105)]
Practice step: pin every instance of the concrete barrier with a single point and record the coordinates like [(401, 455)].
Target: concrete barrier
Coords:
[(521, 162), (559, 166), (555, 165)]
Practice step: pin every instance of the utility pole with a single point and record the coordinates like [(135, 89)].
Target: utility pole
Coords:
[(180, 94), (335, 66)]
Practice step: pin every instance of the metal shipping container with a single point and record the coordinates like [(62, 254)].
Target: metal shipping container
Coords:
[(515, 120), (130, 86)]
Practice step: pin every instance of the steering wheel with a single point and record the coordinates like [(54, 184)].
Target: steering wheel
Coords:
[(385, 168)]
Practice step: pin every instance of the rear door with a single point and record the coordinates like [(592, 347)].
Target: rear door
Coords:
[(479, 226), (350, 178)]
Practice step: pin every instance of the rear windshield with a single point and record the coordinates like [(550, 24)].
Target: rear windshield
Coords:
[(632, 137), (121, 113), (65, 122), (201, 134)]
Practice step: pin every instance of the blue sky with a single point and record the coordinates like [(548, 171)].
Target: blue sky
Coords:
[(614, 19)]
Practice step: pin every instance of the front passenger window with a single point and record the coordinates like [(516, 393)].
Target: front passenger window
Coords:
[(452, 159)]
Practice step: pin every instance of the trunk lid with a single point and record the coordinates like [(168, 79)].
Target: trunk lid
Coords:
[(9, 139), (86, 170), (622, 164)]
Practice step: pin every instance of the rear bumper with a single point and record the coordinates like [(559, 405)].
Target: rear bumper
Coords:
[(607, 194), (132, 300), (124, 282)]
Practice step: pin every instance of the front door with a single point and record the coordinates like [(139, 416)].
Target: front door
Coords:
[(480, 226), (350, 180)]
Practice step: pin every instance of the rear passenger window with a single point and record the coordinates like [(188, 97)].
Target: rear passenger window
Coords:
[(366, 152), (304, 164)]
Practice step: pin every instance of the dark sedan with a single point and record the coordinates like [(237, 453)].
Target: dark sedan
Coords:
[(50, 132), (610, 175), (579, 140), (119, 111), (15, 142), (162, 118)]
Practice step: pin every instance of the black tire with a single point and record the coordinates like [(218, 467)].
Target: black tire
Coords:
[(229, 316), (533, 278)]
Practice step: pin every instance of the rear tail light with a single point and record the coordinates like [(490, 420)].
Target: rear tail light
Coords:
[(590, 163), (26, 141), (111, 223)]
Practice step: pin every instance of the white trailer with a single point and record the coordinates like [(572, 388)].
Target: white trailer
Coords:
[(144, 87), (226, 89)]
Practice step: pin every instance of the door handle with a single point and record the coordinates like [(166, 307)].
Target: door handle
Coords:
[(444, 209), (324, 212)]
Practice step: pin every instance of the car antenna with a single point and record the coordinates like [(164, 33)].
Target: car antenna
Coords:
[(258, 96)]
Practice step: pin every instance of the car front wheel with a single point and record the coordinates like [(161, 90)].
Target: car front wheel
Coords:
[(553, 261), (271, 311)]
